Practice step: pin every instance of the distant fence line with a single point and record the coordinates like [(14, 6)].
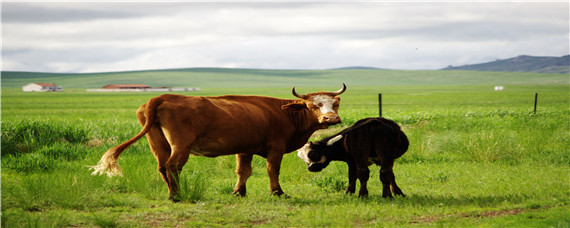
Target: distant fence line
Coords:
[(145, 90)]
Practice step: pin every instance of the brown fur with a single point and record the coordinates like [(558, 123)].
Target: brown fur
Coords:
[(177, 126)]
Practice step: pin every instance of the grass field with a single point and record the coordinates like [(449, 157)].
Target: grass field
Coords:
[(477, 157)]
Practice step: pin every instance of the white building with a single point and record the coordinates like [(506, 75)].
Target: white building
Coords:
[(42, 87)]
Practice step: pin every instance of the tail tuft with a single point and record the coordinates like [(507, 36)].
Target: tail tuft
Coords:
[(108, 164)]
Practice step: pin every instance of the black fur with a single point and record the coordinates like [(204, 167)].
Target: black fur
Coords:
[(378, 139)]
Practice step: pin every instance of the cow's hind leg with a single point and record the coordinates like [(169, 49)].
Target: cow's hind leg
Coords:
[(158, 144), (160, 149), (174, 166), (243, 171)]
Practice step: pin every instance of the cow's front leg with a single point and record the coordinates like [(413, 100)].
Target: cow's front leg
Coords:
[(243, 171), (352, 176), (273, 167)]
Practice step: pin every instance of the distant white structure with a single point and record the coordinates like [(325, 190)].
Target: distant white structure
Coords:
[(42, 87), (126, 86), (138, 88), (499, 88), (145, 90)]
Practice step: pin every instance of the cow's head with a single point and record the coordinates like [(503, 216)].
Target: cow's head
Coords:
[(314, 154), (323, 105)]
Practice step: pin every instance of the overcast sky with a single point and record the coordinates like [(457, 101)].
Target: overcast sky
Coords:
[(102, 37)]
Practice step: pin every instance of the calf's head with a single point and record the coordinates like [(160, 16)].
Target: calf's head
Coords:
[(315, 154), (323, 105)]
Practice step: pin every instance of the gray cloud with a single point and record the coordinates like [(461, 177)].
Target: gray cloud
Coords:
[(39, 13), (94, 37)]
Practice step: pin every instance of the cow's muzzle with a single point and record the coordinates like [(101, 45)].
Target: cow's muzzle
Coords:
[(330, 118), (316, 167)]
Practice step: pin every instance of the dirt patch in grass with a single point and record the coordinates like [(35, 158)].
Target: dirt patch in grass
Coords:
[(485, 214)]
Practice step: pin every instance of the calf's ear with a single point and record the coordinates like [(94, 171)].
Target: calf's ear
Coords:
[(294, 106)]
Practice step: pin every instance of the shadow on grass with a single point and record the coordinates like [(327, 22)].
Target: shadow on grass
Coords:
[(410, 200)]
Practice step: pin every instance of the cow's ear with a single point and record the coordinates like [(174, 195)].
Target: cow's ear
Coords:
[(294, 106)]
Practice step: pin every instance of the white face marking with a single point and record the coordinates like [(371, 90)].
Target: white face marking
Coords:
[(325, 103), (303, 154), (333, 140)]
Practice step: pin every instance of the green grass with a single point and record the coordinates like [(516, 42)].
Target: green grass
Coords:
[(477, 158)]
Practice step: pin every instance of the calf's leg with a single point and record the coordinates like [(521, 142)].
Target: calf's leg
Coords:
[(388, 179), (352, 176), (395, 189), (243, 171), (363, 176)]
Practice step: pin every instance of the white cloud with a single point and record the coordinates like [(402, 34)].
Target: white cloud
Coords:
[(93, 37)]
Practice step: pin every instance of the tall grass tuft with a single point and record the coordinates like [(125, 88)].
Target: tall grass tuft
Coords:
[(29, 136), (193, 186), (30, 146)]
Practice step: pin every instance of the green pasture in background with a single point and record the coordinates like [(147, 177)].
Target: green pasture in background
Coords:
[(253, 78), (477, 157)]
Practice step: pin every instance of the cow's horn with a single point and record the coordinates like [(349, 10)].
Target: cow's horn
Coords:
[(297, 95), (341, 90)]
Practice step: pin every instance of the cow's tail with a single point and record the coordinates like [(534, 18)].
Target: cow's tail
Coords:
[(108, 163)]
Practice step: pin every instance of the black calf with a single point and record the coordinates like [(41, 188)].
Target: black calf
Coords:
[(368, 141)]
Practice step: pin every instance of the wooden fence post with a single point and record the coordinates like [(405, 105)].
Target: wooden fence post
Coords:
[(535, 101), (380, 104)]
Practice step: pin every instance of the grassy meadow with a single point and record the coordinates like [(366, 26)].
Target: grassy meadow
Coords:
[(477, 157)]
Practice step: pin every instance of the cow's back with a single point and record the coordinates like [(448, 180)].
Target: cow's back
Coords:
[(223, 125)]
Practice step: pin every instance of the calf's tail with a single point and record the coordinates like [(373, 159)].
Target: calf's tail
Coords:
[(108, 163), (404, 144)]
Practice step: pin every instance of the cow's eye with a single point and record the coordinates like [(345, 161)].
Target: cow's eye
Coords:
[(320, 105)]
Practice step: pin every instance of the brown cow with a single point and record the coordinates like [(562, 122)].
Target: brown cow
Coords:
[(368, 141), (177, 126)]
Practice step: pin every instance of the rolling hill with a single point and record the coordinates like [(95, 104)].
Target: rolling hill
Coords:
[(523, 63), (256, 78)]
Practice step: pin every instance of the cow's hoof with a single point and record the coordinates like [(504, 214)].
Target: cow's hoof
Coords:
[(238, 194), (278, 192), (284, 196), (174, 199)]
